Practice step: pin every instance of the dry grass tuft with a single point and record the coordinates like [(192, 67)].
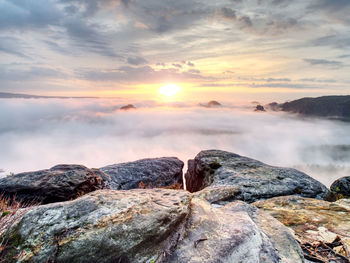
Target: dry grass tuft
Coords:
[(11, 212), (175, 186)]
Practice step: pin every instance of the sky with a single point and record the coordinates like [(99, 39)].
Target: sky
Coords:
[(225, 49)]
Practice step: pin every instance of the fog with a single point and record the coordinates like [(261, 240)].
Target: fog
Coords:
[(40, 133)]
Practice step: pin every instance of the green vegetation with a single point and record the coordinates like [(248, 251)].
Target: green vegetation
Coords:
[(5, 213)]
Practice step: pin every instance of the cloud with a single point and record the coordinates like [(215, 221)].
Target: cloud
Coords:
[(95, 133), (229, 13), (176, 65), (194, 71), (112, 39), (264, 79), (285, 86), (87, 37), (324, 62), (277, 80), (335, 10), (136, 61), (146, 74), (90, 8), (46, 16), (30, 14), (189, 63), (165, 16), (12, 46), (338, 41), (35, 73), (265, 17), (319, 80)]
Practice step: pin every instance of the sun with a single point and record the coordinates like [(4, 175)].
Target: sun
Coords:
[(169, 90)]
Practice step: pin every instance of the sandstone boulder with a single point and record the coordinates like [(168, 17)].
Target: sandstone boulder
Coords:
[(103, 226), (254, 179), (236, 232), (156, 172), (60, 183)]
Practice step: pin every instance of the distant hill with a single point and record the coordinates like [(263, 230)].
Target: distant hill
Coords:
[(327, 106), (211, 104), (128, 107), (6, 95)]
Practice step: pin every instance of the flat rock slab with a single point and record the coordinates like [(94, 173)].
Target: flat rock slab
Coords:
[(155, 172), (60, 183), (236, 232), (103, 226), (255, 180), (312, 220)]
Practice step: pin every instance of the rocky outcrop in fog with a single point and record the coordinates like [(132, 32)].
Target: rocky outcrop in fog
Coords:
[(327, 106), (128, 107)]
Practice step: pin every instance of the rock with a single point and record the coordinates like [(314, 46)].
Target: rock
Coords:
[(259, 108), (128, 107), (312, 220), (103, 226), (60, 183), (342, 187), (254, 179), (326, 106), (236, 232), (158, 172), (274, 106), (214, 103), (211, 104), (219, 194)]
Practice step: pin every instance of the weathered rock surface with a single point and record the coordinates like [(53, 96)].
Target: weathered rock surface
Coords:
[(312, 220), (236, 232), (254, 179), (157, 171), (60, 183), (342, 186), (103, 226)]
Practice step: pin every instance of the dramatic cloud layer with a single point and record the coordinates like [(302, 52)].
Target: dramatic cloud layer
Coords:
[(121, 46), (40, 133)]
